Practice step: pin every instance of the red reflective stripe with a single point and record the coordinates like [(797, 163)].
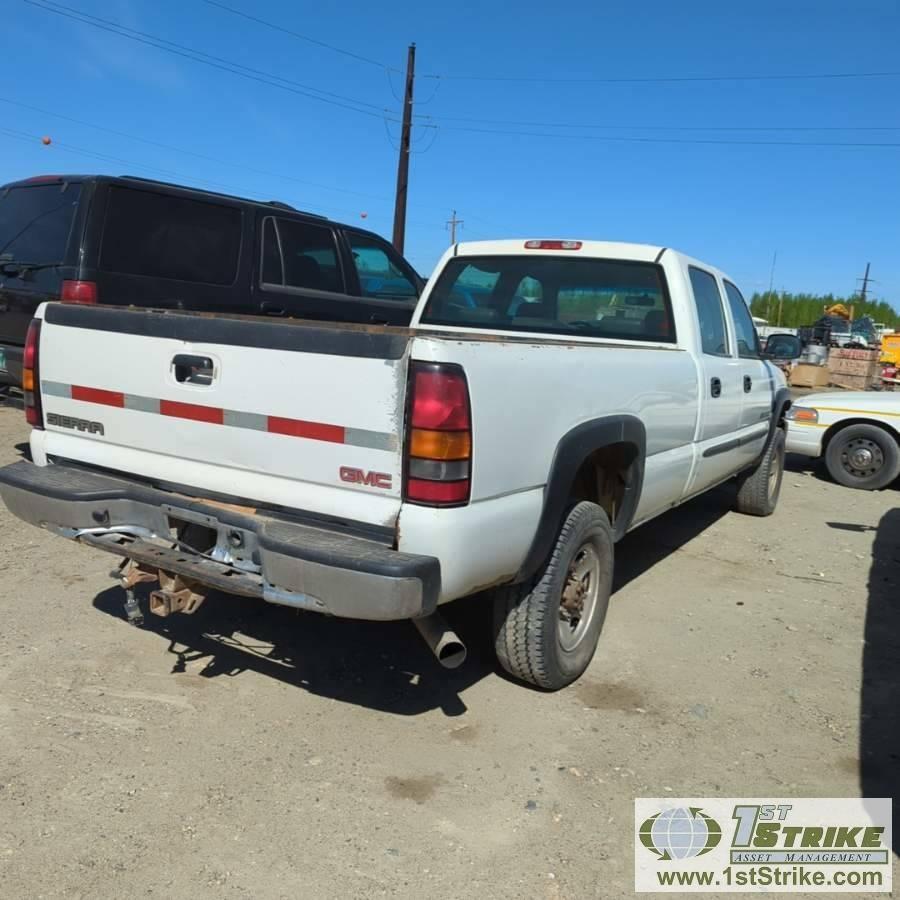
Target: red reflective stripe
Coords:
[(191, 411), (314, 430), (96, 395)]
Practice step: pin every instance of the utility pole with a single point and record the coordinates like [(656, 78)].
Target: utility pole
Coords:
[(452, 223), (771, 282), (865, 284), (780, 306), (403, 163)]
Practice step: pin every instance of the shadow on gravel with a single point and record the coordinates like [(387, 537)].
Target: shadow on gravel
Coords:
[(646, 546), (379, 665), (879, 731)]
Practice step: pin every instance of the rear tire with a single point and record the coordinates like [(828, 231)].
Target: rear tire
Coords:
[(546, 630), (760, 487), (864, 457)]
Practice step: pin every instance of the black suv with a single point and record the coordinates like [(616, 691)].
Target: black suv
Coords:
[(135, 242)]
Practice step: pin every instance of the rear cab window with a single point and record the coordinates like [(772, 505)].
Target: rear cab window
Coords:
[(170, 237), (594, 298), (36, 222)]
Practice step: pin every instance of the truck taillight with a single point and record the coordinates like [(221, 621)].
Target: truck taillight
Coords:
[(78, 292), (31, 376), (439, 436)]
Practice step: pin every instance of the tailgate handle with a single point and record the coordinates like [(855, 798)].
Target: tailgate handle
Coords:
[(193, 369)]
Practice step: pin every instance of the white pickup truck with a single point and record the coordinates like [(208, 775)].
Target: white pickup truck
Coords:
[(547, 398)]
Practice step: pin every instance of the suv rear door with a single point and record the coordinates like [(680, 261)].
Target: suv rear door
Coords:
[(37, 222), (157, 246)]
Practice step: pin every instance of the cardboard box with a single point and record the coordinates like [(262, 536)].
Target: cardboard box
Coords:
[(806, 375), (853, 382), (842, 366), (843, 353)]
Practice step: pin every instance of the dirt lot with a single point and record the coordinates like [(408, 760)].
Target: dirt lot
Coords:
[(254, 752)]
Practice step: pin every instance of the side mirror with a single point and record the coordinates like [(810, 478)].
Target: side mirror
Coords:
[(783, 346)]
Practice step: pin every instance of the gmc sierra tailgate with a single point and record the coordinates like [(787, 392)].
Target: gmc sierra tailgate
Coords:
[(282, 413)]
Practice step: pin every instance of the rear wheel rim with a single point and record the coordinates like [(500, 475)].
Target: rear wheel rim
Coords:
[(579, 597), (862, 458), (774, 474)]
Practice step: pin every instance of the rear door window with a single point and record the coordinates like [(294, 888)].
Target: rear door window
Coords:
[(35, 222), (300, 255), (744, 331), (711, 315), (172, 237), (379, 275), (598, 298)]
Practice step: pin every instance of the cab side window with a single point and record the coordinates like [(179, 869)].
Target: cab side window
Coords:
[(744, 331), (711, 315)]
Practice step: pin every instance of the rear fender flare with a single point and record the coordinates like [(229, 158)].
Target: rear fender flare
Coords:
[(571, 451)]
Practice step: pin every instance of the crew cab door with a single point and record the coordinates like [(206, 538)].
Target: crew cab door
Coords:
[(721, 385), (756, 382)]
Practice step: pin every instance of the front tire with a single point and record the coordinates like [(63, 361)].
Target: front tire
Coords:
[(864, 457), (760, 487), (546, 630)]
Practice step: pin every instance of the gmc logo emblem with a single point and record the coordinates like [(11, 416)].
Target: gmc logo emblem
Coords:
[(369, 479)]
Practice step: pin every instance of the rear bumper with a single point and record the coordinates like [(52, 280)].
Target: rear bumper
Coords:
[(318, 567), (12, 374)]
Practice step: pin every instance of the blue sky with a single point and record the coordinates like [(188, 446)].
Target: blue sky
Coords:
[(826, 210)]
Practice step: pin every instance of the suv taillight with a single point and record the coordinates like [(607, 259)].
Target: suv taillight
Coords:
[(78, 292), (31, 376), (439, 436)]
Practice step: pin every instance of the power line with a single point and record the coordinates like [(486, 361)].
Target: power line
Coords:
[(302, 37), (203, 156), (624, 127), (661, 140), (186, 179), (663, 79), (215, 62)]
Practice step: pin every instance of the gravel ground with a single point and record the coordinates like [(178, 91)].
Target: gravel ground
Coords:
[(254, 752)]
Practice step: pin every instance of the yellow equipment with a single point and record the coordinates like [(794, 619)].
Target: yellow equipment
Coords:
[(839, 310), (890, 349)]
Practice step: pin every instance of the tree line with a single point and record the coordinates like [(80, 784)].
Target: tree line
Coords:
[(804, 309)]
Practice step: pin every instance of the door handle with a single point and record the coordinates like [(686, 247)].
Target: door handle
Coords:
[(748, 384), (715, 387), (193, 369)]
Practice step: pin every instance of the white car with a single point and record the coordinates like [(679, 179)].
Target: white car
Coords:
[(856, 433), (493, 448)]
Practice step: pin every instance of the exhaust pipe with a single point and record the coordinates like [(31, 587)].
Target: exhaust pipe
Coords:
[(443, 642)]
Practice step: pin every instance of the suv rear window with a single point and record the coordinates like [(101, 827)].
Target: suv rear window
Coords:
[(601, 298), (163, 236), (35, 221)]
